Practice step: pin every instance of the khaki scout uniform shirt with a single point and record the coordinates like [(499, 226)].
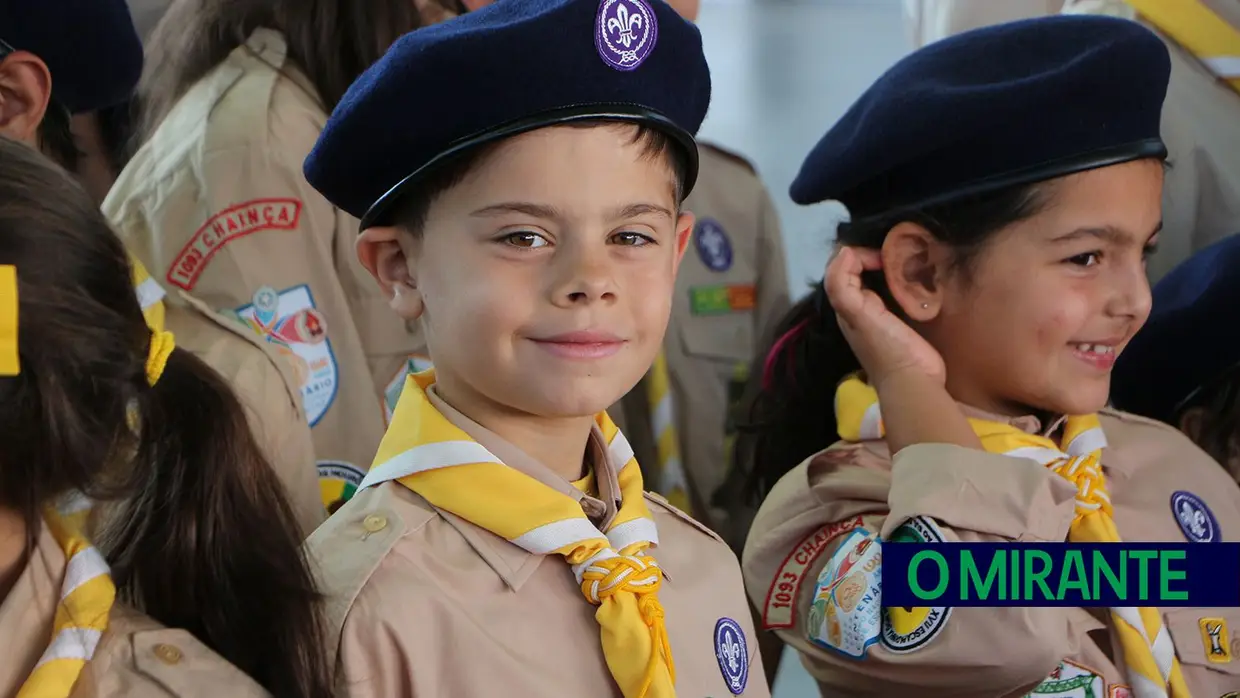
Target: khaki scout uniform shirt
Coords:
[(428, 604), (264, 384), (979, 496), (1201, 118), (731, 287), (136, 657), (215, 203)]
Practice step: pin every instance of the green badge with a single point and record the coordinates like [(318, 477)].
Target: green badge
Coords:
[(709, 300)]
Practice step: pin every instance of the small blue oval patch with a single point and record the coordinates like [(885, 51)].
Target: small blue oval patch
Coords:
[(733, 654), (713, 245), (1195, 518)]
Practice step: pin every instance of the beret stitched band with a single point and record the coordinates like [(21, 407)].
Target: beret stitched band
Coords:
[(514, 66), (90, 47), (1000, 106)]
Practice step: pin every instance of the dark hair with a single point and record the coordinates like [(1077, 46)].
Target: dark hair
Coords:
[(1218, 430), (331, 41), (117, 132), (56, 136), (791, 412), (192, 518), (410, 212)]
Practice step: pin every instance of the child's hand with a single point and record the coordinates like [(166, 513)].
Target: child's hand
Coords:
[(884, 343)]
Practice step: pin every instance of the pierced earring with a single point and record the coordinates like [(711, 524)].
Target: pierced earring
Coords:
[(925, 305)]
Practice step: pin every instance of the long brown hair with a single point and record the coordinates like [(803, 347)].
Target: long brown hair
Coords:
[(331, 41), (197, 529)]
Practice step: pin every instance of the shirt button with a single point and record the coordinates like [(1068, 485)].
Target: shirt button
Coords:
[(168, 654), (374, 523)]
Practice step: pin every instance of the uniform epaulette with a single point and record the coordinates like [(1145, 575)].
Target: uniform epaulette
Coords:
[(1136, 419), (730, 155), (667, 506), (347, 549)]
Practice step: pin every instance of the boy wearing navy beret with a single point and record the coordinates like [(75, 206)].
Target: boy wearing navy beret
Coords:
[(532, 223)]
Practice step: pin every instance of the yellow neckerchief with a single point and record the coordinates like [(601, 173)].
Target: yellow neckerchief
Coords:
[(1146, 644), (670, 470), (150, 295), (86, 598), (1196, 27), (425, 452)]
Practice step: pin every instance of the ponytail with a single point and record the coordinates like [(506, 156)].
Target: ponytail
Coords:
[(790, 414), (208, 542)]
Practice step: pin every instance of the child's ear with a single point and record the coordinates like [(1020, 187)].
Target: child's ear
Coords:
[(684, 231), (387, 253), (915, 265), (1192, 423)]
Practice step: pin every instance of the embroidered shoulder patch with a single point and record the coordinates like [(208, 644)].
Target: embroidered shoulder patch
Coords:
[(907, 629), (291, 323), (226, 226), (781, 598), (846, 615), (338, 483), (1071, 680)]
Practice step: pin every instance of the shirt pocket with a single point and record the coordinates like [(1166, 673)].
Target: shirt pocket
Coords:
[(1207, 641), (727, 339)]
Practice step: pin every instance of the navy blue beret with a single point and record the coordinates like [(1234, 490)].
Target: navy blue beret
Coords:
[(1191, 339), (511, 67), (90, 47), (995, 107)]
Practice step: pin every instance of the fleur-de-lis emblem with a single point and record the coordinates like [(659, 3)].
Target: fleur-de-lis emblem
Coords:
[(732, 651), (625, 24)]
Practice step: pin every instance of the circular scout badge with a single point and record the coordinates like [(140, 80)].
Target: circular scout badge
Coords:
[(338, 483), (625, 33), (907, 629), (1195, 518), (733, 654), (713, 245)]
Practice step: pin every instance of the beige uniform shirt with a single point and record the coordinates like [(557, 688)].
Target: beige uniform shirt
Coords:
[(136, 657), (215, 203), (428, 604), (264, 384), (979, 496), (1201, 118), (731, 287)]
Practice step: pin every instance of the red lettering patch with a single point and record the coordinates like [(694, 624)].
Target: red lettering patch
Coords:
[(781, 598), (226, 226)]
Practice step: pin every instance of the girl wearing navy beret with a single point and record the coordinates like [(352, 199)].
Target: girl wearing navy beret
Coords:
[(948, 380)]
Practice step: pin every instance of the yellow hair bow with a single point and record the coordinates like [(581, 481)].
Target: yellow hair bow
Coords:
[(9, 364), (162, 344)]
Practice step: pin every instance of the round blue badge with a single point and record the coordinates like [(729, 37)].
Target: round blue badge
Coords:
[(625, 33), (733, 654), (1195, 518), (713, 245)]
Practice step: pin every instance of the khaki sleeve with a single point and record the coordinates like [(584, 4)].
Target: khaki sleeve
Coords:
[(284, 436), (966, 495), (243, 219), (773, 292)]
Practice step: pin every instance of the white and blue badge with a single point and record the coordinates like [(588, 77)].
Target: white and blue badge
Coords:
[(713, 245), (733, 654), (625, 32), (1195, 518), (906, 629), (289, 321), (846, 612)]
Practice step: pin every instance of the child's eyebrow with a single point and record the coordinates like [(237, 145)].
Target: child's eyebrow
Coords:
[(1106, 233), (547, 212)]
